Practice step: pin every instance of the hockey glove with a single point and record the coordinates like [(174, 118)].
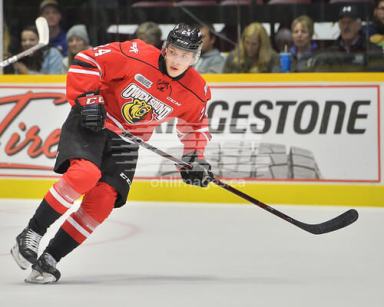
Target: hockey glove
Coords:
[(200, 174), (92, 111)]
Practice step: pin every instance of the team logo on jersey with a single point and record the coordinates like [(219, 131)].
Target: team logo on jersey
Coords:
[(143, 80), (162, 85), (142, 107), (135, 111)]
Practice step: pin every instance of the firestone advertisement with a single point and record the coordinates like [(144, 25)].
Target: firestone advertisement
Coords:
[(283, 132)]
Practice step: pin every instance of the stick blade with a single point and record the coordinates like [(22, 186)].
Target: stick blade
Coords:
[(43, 30), (341, 221)]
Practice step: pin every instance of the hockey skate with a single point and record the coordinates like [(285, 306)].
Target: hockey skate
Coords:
[(26, 248), (44, 271)]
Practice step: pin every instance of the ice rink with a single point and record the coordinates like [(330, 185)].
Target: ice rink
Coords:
[(162, 255)]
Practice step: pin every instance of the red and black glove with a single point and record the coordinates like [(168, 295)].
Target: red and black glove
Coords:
[(92, 111), (200, 174)]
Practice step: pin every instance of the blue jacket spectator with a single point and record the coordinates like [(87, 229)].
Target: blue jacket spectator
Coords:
[(50, 10)]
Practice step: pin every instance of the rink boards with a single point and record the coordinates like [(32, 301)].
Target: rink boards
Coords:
[(282, 138)]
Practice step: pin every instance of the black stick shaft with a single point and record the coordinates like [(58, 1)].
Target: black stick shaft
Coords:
[(336, 223)]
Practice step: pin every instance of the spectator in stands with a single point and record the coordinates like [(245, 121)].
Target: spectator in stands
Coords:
[(43, 61), (211, 61), (303, 47), (6, 41), (375, 29), (78, 40), (150, 33), (57, 37), (254, 52), (352, 51), (6, 45)]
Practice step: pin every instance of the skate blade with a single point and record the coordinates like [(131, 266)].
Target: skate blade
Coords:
[(40, 278), (20, 260)]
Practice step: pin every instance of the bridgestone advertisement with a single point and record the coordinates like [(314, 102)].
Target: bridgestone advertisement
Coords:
[(328, 132)]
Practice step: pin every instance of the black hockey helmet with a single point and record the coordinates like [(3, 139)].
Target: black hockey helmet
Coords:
[(185, 37)]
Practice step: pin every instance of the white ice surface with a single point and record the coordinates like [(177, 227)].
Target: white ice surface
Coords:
[(161, 255)]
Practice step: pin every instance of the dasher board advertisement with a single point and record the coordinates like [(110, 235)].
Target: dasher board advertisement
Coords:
[(307, 131)]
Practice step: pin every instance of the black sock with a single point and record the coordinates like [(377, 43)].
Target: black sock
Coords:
[(44, 217), (61, 245)]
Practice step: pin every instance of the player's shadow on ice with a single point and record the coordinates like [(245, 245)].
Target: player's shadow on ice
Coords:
[(128, 279)]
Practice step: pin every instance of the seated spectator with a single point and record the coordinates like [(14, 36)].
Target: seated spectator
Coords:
[(78, 40), (150, 33), (254, 52), (6, 50), (6, 41), (303, 47), (49, 9), (375, 29), (43, 61), (351, 51), (210, 61)]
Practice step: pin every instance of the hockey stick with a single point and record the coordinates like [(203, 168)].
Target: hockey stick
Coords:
[(43, 31), (336, 223)]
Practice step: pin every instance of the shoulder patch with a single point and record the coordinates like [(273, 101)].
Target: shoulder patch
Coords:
[(134, 48)]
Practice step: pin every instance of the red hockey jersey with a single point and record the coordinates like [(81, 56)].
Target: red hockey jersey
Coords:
[(138, 96)]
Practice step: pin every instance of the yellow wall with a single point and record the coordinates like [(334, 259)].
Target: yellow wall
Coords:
[(302, 77), (268, 192)]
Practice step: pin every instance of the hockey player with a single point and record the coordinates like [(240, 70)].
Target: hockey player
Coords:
[(129, 86)]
